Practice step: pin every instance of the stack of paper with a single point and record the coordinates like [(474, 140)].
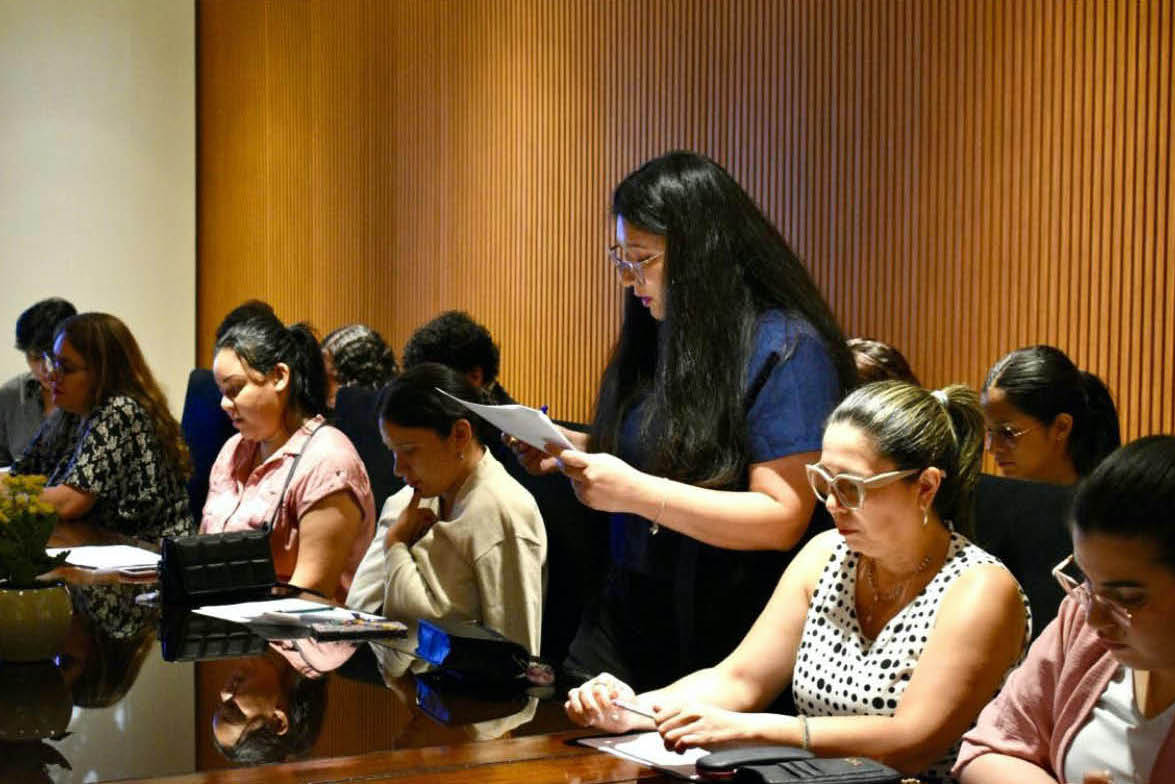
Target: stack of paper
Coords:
[(524, 423), (285, 612), (116, 556)]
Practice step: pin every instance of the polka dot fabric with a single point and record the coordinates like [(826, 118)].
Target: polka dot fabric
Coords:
[(839, 672)]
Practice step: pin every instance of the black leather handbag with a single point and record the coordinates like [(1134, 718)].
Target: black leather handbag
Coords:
[(788, 764), (841, 770), (220, 568), (224, 568)]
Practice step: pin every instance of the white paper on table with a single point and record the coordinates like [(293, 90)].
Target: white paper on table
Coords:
[(114, 556), (523, 422), (284, 612), (647, 748)]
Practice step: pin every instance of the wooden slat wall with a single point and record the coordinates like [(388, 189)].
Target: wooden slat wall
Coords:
[(962, 177)]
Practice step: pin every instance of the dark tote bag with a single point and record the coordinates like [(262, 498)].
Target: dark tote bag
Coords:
[(224, 568)]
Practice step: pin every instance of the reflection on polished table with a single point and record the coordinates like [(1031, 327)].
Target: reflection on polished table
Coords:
[(540, 759), (111, 708)]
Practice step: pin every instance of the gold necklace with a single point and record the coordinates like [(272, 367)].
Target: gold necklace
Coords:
[(895, 594)]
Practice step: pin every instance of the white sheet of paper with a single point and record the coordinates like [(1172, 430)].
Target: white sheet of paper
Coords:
[(115, 556), (524, 423), (647, 748), (283, 612)]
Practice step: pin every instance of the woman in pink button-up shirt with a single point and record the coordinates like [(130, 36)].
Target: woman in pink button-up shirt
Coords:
[(272, 382)]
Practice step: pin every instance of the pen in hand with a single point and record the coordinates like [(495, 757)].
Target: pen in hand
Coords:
[(634, 707)]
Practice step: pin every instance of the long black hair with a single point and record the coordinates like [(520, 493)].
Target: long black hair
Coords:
[(262, 341), (1131, 494), (412, 399), (1043, 382), (725, 265)]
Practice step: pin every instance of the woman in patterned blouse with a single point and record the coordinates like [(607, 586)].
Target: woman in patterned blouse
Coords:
[(893, 629), (116, 456)]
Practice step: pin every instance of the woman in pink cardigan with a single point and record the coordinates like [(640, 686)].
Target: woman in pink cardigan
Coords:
[(1094, 701)]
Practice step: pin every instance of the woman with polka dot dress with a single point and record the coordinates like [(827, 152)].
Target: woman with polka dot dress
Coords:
[(893, 630)]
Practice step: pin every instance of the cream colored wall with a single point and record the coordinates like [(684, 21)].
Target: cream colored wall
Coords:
[(97, 169)]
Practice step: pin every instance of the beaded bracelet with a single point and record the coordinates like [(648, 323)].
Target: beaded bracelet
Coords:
[(806, 739)]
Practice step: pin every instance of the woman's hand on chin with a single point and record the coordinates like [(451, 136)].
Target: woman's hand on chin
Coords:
[(602, 481), (698, 724), (412, 523)]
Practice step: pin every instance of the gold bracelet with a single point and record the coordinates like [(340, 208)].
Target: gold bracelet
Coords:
[(655, 526), (805, 739)]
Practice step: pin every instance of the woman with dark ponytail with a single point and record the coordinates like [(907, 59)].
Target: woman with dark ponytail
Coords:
[(1047, 420), (286, 468)]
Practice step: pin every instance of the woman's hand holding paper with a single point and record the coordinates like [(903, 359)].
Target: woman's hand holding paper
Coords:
[(603, 481), (538, 461)]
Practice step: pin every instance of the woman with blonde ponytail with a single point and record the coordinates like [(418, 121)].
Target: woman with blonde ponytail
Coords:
[(893, 630)]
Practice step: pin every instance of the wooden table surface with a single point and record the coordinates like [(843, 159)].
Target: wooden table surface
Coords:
[(538, 759)]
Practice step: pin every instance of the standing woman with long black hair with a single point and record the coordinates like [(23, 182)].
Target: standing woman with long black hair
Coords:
[(715, 396)]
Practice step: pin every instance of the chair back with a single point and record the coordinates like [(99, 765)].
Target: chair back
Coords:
[(1024, 524), (357, 415)]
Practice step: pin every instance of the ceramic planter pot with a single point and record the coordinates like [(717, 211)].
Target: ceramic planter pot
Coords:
[(33, 622)]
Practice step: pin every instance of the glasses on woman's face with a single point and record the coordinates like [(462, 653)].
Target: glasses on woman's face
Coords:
[(59, 365), (630, 269), (1004, 436), (1077, 585), (849, 488)]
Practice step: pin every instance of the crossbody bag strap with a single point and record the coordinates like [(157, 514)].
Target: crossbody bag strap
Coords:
[(297, 459)]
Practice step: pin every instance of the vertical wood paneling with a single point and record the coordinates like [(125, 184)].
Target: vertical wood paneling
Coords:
[(962, 178)]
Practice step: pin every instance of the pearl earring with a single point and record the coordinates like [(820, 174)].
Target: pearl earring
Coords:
[(925, 516)]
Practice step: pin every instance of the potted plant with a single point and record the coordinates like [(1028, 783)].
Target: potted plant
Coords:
[(34, 615)]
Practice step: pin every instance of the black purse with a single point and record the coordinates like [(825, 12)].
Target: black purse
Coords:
[(840, 770), (224, 568), (788, 764)]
